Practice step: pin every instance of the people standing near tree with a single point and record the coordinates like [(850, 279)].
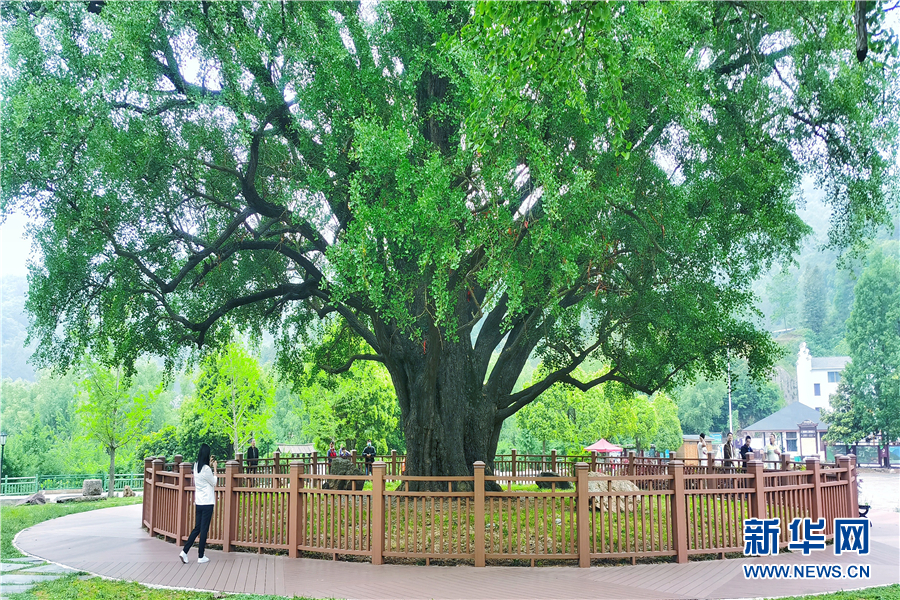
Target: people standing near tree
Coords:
[(252, 458), (369, 455), (728, 450), (332, 454), (702, 451), (746, 451), (204, 501), (773, 452)]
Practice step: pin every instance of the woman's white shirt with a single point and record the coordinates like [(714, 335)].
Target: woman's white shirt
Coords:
[(204, 486)]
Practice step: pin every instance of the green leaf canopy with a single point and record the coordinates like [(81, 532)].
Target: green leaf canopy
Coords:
[(198, 167)]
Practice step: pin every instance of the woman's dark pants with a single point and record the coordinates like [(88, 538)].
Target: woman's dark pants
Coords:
[(201, 528)]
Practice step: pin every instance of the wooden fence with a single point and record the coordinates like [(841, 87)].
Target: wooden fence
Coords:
[(663, 510), (523, 468)]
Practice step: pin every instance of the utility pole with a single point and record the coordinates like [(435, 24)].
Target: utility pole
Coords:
[(730, 419)]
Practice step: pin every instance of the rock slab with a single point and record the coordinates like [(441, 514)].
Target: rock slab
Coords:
[(36, 498), (598, 482), (340, 466), (546, 485), (92, 487)]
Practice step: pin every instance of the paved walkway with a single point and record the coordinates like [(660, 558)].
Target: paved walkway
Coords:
[(111, 543)]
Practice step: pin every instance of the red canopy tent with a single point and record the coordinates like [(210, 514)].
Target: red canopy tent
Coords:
[(603, 446)]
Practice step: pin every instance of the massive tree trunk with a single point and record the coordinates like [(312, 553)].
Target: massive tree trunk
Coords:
[(448, 420)]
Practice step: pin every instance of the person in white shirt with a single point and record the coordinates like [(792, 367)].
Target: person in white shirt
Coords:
[(702, 452), (205, 501)]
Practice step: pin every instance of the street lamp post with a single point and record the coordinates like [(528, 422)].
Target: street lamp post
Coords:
[(730, 420), (2, 447)]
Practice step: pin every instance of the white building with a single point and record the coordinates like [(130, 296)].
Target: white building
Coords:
[(818, 378)]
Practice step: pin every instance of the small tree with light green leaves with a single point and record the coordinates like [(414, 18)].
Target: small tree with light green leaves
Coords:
[(234, 395), (112, 411)]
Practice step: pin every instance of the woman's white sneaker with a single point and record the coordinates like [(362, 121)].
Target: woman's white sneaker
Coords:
[(202, 560), (183, 557)]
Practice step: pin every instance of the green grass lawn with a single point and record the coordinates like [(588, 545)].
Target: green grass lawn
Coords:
[(71, 588), (14, 519), (888, 592)]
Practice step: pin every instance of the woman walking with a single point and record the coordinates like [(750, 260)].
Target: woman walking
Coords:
[(205, 501)]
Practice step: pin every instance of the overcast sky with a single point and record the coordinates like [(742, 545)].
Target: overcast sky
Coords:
[(14, 248)]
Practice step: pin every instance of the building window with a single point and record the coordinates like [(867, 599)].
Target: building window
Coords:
[(834, 376), (790, 438), (817, 389)]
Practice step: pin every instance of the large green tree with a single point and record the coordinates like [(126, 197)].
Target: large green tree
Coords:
[(359, 405), (198, 167), (868, 398)]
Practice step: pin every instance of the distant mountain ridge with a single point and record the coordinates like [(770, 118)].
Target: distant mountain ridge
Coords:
[(14, 329)]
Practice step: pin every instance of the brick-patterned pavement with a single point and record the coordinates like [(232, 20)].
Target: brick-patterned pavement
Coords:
[(111, 542)]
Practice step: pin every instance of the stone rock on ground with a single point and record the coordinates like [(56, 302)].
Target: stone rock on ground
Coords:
[(127, 492), (36, 498), (546, 485), (92, 487), (67, 499), (341, 466), (598, 482)]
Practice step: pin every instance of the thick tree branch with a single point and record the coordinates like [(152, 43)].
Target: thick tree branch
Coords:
[(511, 404), (746, 59), (346, 366)]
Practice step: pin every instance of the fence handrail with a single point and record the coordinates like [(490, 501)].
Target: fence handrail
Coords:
[(19, 486), (621, 511)]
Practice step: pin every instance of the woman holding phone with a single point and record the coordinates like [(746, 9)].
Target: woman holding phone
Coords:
[(205, 501)]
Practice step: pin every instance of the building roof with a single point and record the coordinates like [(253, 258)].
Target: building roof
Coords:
[(788, 418), (296, 448), (830, 363)]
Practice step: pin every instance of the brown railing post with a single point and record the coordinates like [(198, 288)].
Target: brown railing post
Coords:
[(814, 468), (593, 461), (377, 507), (294, 509), (582, 514), (512, 468), (394, 463), (758, 497), (785, 461), (844, 463), (229, 518), (353, 456), (315, 463), (479, 513), (158, 465), (148, 492), (854, 489), (679, 510), (553, 461), (184, 469), (177, 460), (276, 469), (631, 461)]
